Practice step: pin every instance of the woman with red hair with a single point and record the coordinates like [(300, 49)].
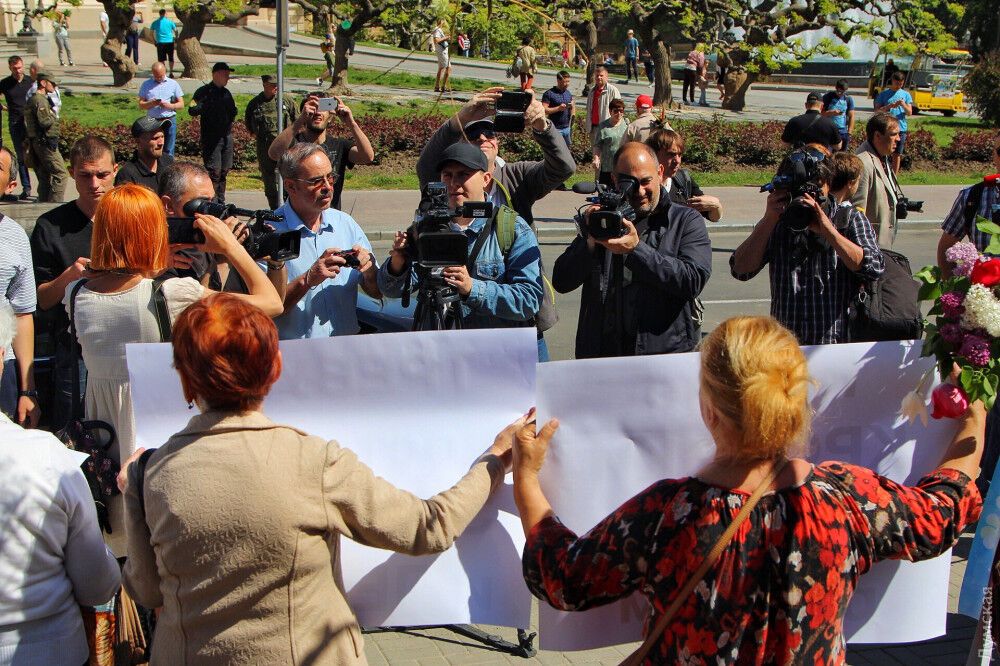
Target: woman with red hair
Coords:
[(234, 523), (114, 305)]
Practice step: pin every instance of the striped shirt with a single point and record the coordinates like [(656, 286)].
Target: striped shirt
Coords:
[(955, 224), (811, 288), (17, 277)]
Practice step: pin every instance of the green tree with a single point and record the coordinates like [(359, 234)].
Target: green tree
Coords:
[(982, 88), (504, 29), (980, 26), (194, 15)]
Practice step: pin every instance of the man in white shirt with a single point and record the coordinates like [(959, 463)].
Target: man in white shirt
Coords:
[(52, 556)]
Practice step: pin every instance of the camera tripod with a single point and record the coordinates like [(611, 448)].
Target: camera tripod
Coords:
[(438, 305)]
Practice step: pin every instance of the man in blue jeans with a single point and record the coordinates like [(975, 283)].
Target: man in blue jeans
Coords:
[(558, 103), (838, 106), (631, 57), (160, 97), (496, 288)]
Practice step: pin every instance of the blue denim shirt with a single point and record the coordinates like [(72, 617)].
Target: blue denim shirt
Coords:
[(330, 308), (504, 294)]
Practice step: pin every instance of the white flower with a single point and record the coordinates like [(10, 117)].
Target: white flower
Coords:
[(982, 310), (913, 405)]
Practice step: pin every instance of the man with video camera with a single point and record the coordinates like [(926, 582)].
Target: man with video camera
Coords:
[(181, 183), (817, 245), (642, 261), (496, 286)]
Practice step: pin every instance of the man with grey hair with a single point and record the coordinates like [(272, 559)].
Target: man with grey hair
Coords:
[(18, 397), (322, 292), (181, 183)]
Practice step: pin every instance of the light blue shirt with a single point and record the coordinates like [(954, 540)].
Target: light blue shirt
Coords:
[(888, 96), (163, 30), (506, 291), (330, 308), (166, 89), (631, 47)]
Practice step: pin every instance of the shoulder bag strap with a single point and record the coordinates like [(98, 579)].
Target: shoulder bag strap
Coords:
[(636, 657), (972, 206), (77, 406), (160, 309), (481, 240), (140, 478)]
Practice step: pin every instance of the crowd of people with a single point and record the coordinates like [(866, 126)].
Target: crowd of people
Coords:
[(102, 272)]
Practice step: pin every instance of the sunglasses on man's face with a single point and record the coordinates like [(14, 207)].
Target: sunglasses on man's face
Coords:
[(483, 135)]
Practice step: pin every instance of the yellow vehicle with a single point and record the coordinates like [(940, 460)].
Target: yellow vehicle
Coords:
[(935, 83)]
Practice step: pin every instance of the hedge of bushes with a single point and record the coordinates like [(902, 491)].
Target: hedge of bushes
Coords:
[(709, 143)]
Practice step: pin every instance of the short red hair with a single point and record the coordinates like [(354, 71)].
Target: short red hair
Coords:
[(130, 231), (226, 352)]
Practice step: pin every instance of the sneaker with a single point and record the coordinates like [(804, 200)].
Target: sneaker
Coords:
[(72, 64), (24, 196)]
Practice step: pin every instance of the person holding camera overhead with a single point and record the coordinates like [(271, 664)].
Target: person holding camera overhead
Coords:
[(879, 196), (817, 245), (498, 287), (335, 258), (317, 112), (640, 279)]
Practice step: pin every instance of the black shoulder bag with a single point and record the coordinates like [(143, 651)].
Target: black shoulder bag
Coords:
[(887, 308)]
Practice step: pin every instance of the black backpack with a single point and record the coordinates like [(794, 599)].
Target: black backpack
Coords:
[(887, 308)]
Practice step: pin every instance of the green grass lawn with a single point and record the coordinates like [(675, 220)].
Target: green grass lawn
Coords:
[(944, 129), (362, 76)]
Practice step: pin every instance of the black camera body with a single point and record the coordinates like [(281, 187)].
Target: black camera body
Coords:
[(510, 110), (905, 206), (615, 207), (263, 240), (430, 240), (799, 174), (350, 258), (182, 230)]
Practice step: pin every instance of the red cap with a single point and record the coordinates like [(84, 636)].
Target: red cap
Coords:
[(992, 179), (644, 102)]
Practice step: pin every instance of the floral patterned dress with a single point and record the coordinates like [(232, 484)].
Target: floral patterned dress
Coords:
[(779, 591)]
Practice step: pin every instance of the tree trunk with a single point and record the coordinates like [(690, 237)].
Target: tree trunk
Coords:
[(585, 34), (663, 92), (112, 50), (736, 85), (340, 63), (189, 50)]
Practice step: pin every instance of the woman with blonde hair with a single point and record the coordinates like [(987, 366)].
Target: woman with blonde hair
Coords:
[(116, 304), (777, 591)]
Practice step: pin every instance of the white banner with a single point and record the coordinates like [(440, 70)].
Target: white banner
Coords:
[(626, 423), (417, 408)]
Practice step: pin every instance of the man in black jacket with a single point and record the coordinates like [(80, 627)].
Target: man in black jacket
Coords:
[(639, 290), (215, 104)]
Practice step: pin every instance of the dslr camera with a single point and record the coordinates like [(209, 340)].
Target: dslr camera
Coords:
[(615, 207), (801, 173), (263, 240), (905, 206)]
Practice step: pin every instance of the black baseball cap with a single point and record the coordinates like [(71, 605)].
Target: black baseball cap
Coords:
[(220, 66), (148, 124), (813, 97), (465, 154)]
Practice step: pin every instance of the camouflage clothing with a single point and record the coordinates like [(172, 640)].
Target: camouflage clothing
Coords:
[(262, 121), (42, 126)]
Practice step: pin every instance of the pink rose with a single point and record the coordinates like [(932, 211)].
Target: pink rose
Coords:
[(948, 401)]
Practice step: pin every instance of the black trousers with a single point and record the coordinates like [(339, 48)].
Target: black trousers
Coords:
[(218, 159), (690, 82)]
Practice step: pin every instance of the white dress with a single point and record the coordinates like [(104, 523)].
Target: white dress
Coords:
[(105, 323)]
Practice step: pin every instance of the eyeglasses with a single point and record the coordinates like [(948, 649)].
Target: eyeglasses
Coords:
[(483, 135), (318, 180), (617, 110)]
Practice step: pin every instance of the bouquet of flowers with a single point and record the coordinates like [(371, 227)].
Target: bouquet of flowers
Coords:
[(963, 326)]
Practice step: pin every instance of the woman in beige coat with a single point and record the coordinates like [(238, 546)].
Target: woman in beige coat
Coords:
[(239, 543)]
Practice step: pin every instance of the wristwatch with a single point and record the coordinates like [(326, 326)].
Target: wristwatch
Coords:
[(275, 265), (27, 394)]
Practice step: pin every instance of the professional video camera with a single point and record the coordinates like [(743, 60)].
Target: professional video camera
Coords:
[(799, 174), (432, 245), (615, 207), (263, 240)]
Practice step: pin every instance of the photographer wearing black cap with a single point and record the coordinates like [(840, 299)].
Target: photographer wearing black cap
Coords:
[(217, 108), (816, 245), (639, 285), (149, 161), (499, 284)]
